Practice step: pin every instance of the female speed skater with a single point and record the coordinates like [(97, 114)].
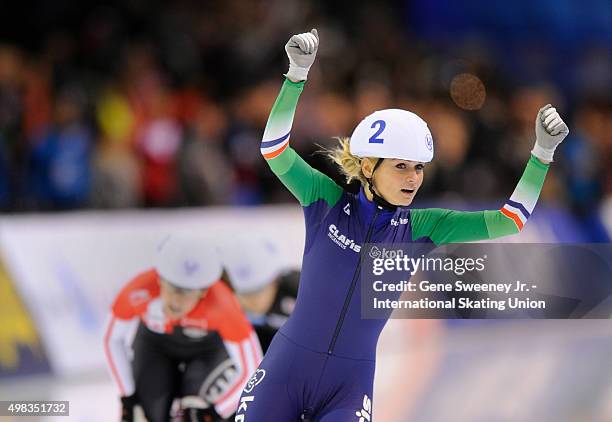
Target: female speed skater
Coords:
[(263, 285), (320, 365), (177, 332)]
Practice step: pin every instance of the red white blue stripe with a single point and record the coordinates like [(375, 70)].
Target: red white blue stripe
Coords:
[(517, 212), (271, 149)]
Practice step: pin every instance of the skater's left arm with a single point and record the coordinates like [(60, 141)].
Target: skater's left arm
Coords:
[(447, 226)]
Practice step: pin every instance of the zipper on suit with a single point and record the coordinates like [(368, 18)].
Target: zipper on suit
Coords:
[(349, 295)]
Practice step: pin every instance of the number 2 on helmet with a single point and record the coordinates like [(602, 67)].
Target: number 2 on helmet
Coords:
[(374, 139)]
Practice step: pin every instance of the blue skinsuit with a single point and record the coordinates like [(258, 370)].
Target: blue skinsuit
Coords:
[(320, 365), (325, 351)]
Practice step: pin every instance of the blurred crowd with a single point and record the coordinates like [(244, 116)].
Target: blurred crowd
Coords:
[(164, 104)]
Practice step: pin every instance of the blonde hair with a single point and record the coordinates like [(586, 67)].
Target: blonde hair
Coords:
[(350, 165)]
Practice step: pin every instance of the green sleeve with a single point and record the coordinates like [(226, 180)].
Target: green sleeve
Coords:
[(304, 182), (447, 226)]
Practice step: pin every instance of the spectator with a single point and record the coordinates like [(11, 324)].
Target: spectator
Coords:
[(178, 101), (116, 173), (202, 160), (60, 163)]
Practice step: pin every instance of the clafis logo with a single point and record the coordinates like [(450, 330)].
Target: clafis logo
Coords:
[(399, 221), (365, 414), (342, 240)]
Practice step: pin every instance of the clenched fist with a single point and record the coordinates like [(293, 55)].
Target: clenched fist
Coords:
[(301, 50), (550, 130)]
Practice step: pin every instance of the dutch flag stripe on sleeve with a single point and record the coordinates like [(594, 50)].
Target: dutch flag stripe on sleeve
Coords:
[(275, 139), (271, 149), (522, 202)]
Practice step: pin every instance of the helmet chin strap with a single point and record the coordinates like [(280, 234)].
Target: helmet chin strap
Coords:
[(379, 200)]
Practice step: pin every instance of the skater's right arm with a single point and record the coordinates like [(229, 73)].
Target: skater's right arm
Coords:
[(116, 350), (116, 347), (121, 326), (304, 182)]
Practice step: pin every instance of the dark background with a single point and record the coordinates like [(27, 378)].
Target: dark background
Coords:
[(161, 104)]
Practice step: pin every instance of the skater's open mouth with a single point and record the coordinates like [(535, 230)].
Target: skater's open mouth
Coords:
[(408, 190)]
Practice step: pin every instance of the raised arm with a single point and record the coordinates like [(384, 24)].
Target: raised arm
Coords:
[(448, 226), (305, 183)]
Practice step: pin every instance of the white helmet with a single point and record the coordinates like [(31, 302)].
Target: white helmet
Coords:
[(393, 133), (188, 262), (251, 263)]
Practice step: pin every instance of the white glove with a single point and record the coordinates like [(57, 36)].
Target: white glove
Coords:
[(550, 130), (301, 50)]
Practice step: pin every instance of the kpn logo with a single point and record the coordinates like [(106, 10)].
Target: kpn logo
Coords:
[(375, 252), (365, 414)]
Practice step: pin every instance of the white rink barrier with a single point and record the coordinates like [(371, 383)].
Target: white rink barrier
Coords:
[(68, 267)]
